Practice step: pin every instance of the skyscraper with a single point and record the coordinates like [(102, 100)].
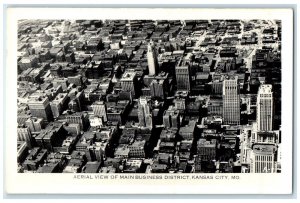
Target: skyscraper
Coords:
[(157, 88), (128, 82), (171, 118), (79, 118), (34, 124), (144, 113), (152, 59), (264, 115), (24, 134), (58, 104), (40, 108), (262, 158), (183, 77), (231, 101)]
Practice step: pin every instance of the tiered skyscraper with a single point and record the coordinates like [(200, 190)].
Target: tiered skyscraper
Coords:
[(152, 59), (264, 115), (24, 134), (144, 113), (231, 101)]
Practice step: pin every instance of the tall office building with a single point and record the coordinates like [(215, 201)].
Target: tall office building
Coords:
[(56, 108), (231, 101), (183, 77), (79, 118), (128, 82), (264, 115), (59, 104), (99, 109), (171, 118), (35, 124), (144, 113), (262, 158), (217, 84), (24, 134), (40, 108), (157, 88), (152, 59)]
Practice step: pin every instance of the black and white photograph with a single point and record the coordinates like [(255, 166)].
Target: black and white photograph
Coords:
[(149, 96), (149, 101)]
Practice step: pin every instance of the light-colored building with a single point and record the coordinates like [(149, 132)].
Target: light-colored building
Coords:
[(24, 134), (264, 104), (231, 101), (144, 113), (171, 118), (128, 81), (152, 59), (262, 158), (180, 103), (122, 152), (40, 107), (35, 124), (99, 109), (58, 104)]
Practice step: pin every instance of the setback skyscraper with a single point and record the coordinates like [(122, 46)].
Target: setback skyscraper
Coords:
[(144, 113), (264, 115), (152, 59)]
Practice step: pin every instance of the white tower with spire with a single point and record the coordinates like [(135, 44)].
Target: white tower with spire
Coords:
[(152, 59)]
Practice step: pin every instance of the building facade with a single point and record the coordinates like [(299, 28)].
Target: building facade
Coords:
[(144, 113), (231, 101), (262, 158), (264, 113), (99, 109), (24, 134), (183, 77), (128, 82), (152, 59), (40, 108)]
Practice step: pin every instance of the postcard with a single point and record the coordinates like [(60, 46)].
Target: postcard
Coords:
[(149, 101)]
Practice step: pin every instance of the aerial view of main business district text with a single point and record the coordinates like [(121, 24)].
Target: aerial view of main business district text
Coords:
[(149, 96)]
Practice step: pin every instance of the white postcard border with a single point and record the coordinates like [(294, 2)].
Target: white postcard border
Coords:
[(18, 183)]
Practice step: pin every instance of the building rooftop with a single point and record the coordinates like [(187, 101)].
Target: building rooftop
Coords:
[(92, 167), (128, 76), (266, 149), (265, 89), (207, 143)]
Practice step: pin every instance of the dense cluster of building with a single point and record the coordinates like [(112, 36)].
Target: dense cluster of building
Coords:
[(144, 96)]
